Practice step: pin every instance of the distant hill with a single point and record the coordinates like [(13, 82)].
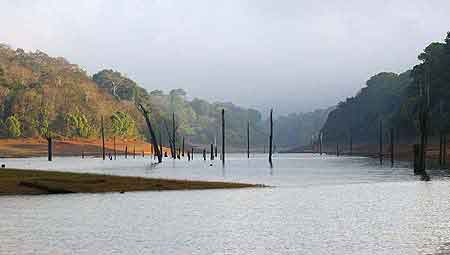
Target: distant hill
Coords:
[(43, 95)]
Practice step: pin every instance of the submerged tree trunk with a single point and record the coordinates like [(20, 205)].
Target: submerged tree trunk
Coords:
[(212, 152), (320, 143), (152, 134), (271, 136), (248, 139), (174, 138), (50, 148), (223, 137), (182, 149), (103, 140), (380, 149), (392, 147)]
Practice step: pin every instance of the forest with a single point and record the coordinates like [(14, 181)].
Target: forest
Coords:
[(394, 101), (44, 96)]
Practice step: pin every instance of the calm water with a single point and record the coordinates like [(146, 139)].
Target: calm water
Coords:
[(318, 205)]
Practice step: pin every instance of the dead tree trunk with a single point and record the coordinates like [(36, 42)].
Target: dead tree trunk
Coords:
[(392, 147), (115, 151), (320, 143), (444, 157), (380, 149), (351, 143), (174, 138), (49, 148), (103, 139), (416, 151), (223, 137), (248, 139), (441, 149), (271, 136), (152, 134), (182, 150), (212, 152)]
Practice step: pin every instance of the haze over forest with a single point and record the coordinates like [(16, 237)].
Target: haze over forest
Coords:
[(294, 56)]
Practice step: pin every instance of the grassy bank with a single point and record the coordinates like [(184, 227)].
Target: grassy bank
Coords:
[(33, 182)]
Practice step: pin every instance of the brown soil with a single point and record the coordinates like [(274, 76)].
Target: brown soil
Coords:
[(32, 147), (33, 182)]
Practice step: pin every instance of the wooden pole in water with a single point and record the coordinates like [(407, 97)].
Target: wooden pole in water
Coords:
[(103, 140), (337, 149), (82, 152), (248, 139), (134, 151), (50, 148), (212, 151), (223, 137), (392, 147), (126, 151), (115, 152), (271, 136), (380, 153), (192, 153), (204, 154), (189, 156)]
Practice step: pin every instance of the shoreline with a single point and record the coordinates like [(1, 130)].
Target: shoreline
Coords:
[(37, 182), (35, 147)]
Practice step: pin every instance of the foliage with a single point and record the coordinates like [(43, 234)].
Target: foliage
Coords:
[(13, 126), (78, 125), (122, 125)]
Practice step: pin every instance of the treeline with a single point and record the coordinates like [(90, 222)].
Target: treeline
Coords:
[(41, 96), (395, 101)]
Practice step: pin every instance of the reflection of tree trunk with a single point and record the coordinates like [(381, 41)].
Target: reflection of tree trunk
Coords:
[(152, 134)]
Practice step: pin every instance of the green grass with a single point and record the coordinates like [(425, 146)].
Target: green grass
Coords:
[(17, 181)]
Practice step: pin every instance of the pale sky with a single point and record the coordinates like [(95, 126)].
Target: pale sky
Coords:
[(292, 55)]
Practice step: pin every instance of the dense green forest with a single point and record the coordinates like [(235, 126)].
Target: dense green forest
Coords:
[(395, 100), (42, 95)]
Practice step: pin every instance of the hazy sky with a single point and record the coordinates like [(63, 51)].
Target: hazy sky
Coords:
[(294, 55)]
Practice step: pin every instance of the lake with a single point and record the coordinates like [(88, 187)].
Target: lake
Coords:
[(316, 205)]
